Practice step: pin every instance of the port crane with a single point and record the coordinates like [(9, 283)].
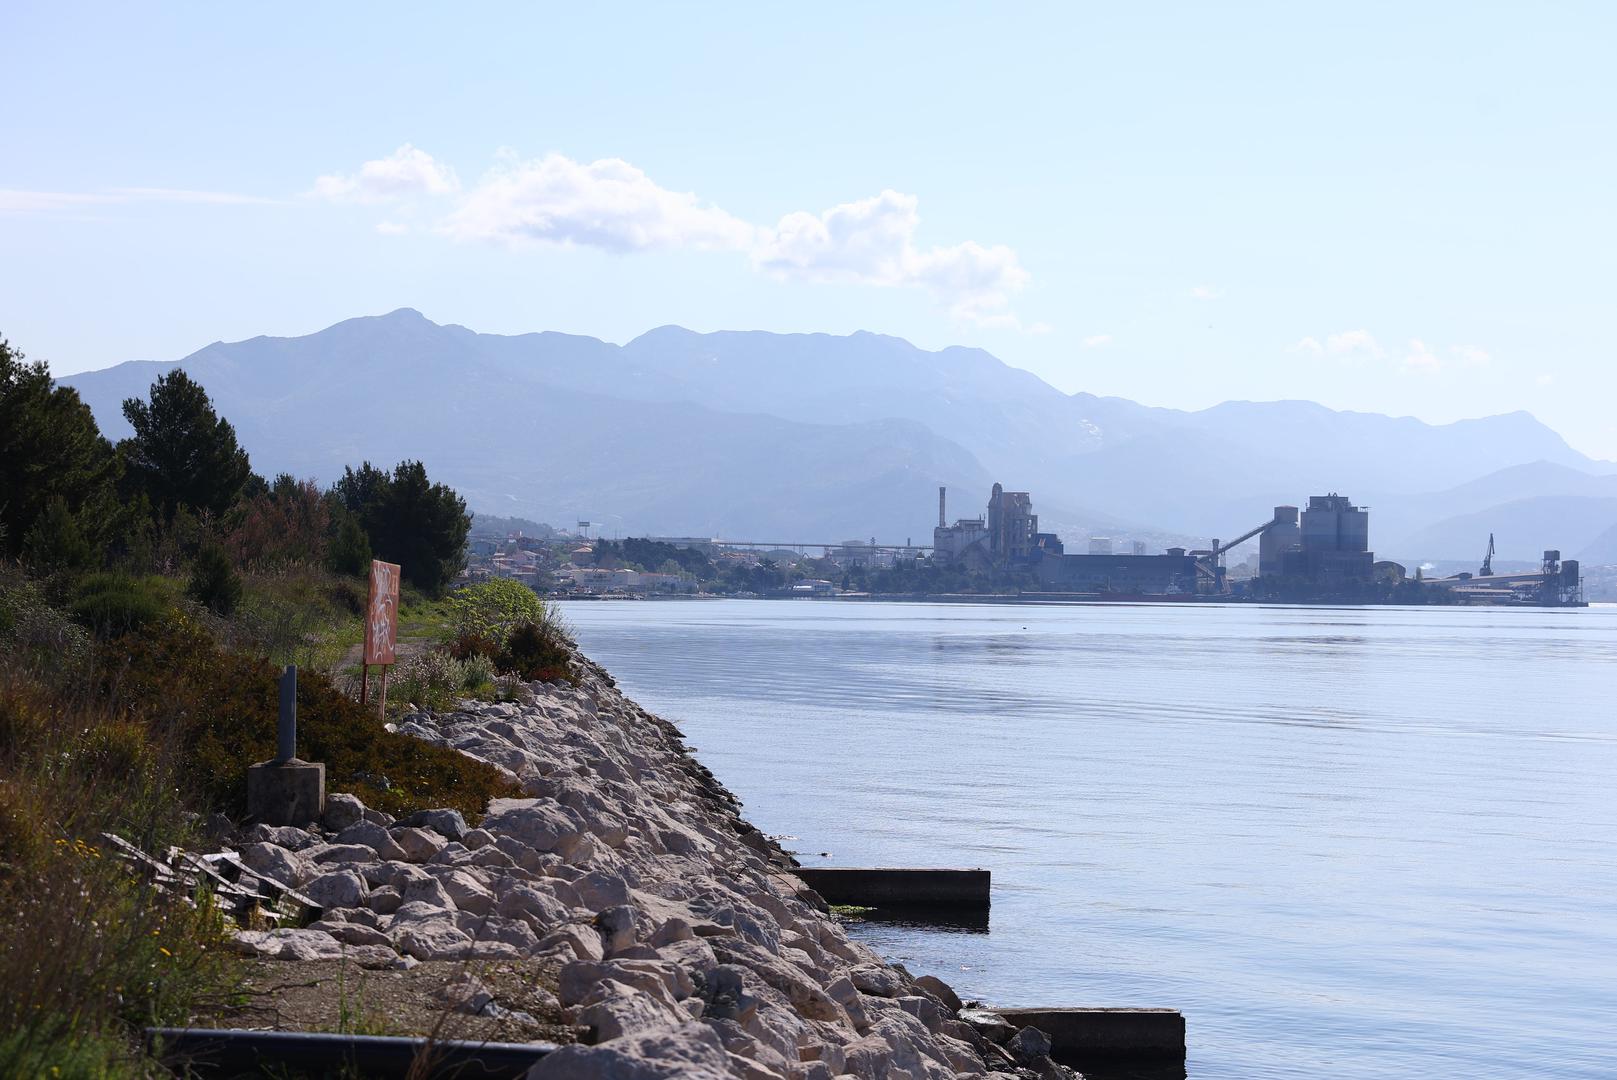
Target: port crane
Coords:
[(1487, 560)]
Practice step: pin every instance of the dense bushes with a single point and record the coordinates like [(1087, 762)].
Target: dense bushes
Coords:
[(89, 952), (434, 679), (492, 609), (539, 650), (507, 624), (113, 603), (224, 707)]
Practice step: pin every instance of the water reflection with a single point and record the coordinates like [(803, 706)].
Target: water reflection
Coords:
[(1364, 843)]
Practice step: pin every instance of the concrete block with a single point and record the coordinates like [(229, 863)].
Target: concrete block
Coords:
[(286, 792), (889, 887), (1083, 1036)]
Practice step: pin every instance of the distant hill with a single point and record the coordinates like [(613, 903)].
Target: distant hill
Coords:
[(814, 436), (1404, 523), (1601, 551), (1522, 529)]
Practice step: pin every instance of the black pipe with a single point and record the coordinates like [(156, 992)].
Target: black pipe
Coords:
[(227, 1053)]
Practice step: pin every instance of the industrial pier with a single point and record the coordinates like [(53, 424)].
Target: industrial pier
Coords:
[(1321, 551)]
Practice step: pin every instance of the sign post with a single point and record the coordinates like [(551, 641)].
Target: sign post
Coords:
[(381, 625)]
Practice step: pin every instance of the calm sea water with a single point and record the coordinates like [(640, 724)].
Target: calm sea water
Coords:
[(1355, 843)]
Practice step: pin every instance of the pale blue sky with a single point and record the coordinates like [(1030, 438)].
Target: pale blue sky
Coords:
[(1404, 208)]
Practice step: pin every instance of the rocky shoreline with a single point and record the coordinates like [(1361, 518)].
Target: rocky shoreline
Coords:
[(680, 940)]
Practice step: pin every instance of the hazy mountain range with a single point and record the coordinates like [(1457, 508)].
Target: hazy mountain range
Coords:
[(815, 438)]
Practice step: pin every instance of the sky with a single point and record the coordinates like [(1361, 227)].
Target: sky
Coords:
[(1398, 208)]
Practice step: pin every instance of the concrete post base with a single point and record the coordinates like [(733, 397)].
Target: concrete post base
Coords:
[(286, 792)]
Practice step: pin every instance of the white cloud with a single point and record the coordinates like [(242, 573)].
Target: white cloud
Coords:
[(1356, 346), (1544, 380), (1204, 292), (872, 242), (613, 205), (392, 228), (607, 204), (1097, 341), (1348, 345), (1420, 357), (407, 172), (1353, 343)]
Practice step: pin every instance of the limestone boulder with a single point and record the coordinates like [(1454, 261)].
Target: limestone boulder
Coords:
[(347, 854), (342, 810), (431, 939), (277, 863), (616, 1010), (373, 836), (541, 825), (690, 1050), (337, 889), (418, 845), (877, 981), (447, 823)]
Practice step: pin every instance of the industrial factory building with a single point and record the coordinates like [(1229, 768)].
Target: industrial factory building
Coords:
[(1321, 552), (1007, 536), (1329, 547)]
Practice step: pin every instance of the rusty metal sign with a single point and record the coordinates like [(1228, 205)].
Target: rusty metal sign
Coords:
[(382, 613)]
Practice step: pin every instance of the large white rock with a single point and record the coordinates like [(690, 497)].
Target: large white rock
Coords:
[(277, 863), (337, 889), (690, 1051), (342, 810), (447, 823), (373, 836), (541, 825), (418, 845), (426, 939)]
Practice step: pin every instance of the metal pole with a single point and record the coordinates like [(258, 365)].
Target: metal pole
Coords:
[(382, 711), (286, 728)]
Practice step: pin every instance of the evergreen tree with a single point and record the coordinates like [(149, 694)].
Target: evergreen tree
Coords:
[(409, 520), (56, 542), (50, 447), (214, 581), (183, 453), (350, 549)]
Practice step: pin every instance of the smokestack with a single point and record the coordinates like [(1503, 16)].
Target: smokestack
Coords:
[(942, 521)]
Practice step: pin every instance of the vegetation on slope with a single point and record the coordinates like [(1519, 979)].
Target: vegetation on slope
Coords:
[(149, 593)]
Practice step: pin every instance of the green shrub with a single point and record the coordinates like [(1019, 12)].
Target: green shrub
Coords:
[(214, 582), (477, 674), (492, 609), (113, 603), (539, 650), (430, 680), (34, 634)]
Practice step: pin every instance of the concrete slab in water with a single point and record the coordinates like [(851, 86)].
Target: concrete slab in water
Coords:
[(1080, 1035), (883, 887)]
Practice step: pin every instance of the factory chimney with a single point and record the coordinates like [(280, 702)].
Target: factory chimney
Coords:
[(942, 522)]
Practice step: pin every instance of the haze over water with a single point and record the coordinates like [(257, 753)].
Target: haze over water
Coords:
[(1363, 843)]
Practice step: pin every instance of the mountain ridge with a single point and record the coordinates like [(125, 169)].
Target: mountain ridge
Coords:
[(911, 419)]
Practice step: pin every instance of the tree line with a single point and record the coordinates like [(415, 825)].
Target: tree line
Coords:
[(181, 491)]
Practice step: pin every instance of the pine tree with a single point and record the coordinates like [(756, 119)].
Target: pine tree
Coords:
[(183, 453), (50, 447)]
